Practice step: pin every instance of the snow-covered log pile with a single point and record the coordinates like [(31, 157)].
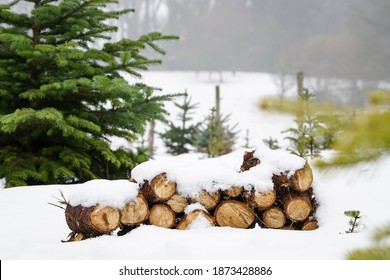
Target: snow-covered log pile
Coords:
[(270, 188)]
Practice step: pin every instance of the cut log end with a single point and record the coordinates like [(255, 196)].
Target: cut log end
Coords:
[(233, 191), (209, 200), (188, 219), (297, 207), (135, 212), (106, 219), (260, 200), (302, 178), (177, 203), (310, 224), (233, 213), (162, 215), (159, 189), (274, 217), (163, 188)]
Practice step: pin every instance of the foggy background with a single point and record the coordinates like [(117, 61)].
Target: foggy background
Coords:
[(326, 39)]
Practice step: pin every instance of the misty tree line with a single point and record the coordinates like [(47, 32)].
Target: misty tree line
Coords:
[(325, 39), (330, 38)]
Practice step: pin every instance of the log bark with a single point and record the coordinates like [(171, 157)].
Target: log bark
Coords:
[(207, 199), (233, 213), (93, 220), (159, 189), (162, 215), (126, 229), (249, 161), (289, 227), (281, 180), (73, 236), (310, 224), (274, 217), (190, 217), (234, 191), (260, 200), (297, 206), (177, 203), (135, 212)]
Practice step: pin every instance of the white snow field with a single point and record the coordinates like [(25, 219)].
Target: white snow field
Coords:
[(33, 229)]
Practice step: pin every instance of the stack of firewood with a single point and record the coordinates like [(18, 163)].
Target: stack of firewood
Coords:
[(289, 205)]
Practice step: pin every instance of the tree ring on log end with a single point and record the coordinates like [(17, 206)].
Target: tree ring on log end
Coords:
[(163, 188), (298, 209), (135, 212), (274, 217), (106, 219), (233, 213), (162, 215)]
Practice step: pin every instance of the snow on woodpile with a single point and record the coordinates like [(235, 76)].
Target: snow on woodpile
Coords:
[(104, 193), (194, 206), (219, 173), (262, 187)]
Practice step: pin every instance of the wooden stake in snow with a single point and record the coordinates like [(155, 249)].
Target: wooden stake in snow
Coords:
[(232, 213), (162, 215), (300, 82), (135, 212), (192, 216), (159, 189)]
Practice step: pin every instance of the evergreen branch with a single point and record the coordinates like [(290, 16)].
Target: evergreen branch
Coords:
[(45, 2), (66, 15), (11, 18), (9, 5)]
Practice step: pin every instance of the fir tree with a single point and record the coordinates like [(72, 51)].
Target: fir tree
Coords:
[(304, 138), (215, 136), (62, 98), (180, 138), (354, 217), (271, 143)]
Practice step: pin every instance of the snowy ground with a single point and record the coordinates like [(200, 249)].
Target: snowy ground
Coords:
[(32, 229)]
